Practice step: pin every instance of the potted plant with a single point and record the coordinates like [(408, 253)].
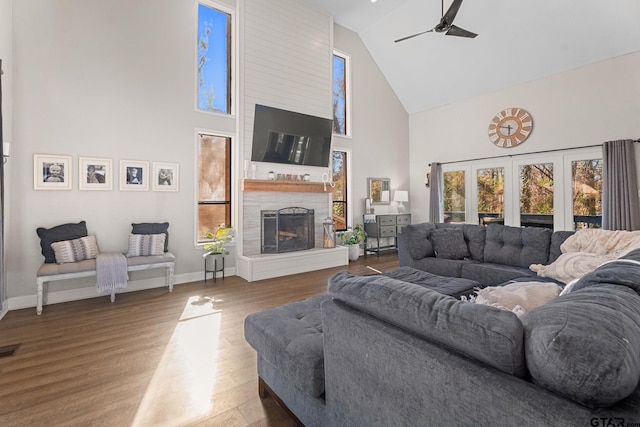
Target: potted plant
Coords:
[(218, 238), (352, 237)]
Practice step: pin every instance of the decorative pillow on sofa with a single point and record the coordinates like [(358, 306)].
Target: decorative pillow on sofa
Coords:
[(146, 244), (586, 345), (75, 250), (449, 243), (153, 228), (57, 234), (418, 239), (518, 297)]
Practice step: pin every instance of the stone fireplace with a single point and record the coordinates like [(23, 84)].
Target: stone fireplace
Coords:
[(261, 195), (287, 230)]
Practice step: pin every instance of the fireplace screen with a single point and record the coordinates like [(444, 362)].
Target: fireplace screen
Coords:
[(287, 230)]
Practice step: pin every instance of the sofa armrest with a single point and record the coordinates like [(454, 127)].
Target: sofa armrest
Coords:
[(380, 374)]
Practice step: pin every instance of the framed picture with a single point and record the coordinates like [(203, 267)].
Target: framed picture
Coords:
[(165, 176), (134, 175), (95, 174), (52, 172)]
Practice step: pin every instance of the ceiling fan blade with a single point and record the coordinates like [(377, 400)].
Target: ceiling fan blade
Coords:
[(452, 11), (460, 32), (413, 35)]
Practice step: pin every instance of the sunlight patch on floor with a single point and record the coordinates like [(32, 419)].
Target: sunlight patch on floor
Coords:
[(183, 384)]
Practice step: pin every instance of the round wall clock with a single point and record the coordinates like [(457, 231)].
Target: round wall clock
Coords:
[(510, 127)]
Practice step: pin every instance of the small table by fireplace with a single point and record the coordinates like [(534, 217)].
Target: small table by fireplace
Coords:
[(216, 258)]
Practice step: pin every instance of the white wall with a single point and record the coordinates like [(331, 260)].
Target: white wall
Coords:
[(117, 80), (380, 133), (6, 7), (582, 107), (103, 79)]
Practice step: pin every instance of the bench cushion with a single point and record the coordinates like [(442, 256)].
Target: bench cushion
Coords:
[(290, 338), (90, 264)]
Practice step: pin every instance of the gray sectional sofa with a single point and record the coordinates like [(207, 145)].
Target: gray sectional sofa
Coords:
[(491, 254), (400, 349)]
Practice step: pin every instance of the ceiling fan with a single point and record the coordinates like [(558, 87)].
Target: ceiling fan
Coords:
[(446, 24)]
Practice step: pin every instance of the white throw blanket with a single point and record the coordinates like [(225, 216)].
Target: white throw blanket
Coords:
[(111, 272), (586, 250)]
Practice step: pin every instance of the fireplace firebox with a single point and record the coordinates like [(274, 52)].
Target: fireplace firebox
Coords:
[(287, 230)]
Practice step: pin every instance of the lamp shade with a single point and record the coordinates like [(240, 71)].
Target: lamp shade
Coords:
[(401, 196), (384, 196)]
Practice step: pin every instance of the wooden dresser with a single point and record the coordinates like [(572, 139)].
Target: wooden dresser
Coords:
[(386, 226)]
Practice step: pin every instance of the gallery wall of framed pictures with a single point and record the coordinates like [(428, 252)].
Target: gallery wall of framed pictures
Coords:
[(56, 172)]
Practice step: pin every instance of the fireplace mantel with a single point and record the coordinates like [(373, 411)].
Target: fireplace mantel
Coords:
[(285, 185)]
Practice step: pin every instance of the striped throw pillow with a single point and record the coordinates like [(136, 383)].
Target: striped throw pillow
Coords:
[(75, 250), (146, 244)]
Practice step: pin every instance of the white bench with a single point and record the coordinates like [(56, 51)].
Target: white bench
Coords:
[(49, 272)]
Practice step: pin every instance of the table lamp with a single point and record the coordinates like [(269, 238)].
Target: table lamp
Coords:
[(401, 196)]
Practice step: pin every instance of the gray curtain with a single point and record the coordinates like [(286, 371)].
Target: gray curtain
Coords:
[(620, 206), (435, 193)]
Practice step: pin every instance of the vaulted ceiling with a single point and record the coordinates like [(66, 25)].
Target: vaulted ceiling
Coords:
[(518, 41)]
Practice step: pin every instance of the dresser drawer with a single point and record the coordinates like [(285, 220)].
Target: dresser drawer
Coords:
[(386, 220), (387, 231), (403, 219)]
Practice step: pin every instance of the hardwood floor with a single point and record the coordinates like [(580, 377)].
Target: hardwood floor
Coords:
[(151, 358)]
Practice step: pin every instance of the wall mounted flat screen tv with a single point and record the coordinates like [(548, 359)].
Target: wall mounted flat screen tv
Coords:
[(281, 136)]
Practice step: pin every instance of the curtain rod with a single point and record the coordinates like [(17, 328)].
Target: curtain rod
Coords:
[(525, 154)]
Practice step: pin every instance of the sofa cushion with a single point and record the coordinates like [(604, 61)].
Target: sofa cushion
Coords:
[(475, 236), (75, 250), (586, 345), (59, 233), (449, 243), (557, 239), (481, 332), (290, 338), (153, 228), (517, 246), (418, 236), (490, 274), (452, 286), (442, 266)]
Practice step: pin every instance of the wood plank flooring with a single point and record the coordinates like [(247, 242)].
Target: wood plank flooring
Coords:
[(151, 358)]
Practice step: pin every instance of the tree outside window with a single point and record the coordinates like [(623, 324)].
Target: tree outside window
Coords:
[(341, 95), (454, 197), (214, 184), (214, 60), (340, 192)]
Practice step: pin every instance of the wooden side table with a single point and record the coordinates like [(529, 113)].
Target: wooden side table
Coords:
[(216, 258)]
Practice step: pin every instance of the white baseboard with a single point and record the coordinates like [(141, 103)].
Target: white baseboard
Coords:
[(28, 301)]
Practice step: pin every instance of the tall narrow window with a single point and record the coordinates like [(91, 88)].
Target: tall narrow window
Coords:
[(214, 60), (214, 183), (341, 94), (586, 178), (454, 197), (340, 193), (491, 195), (536, 195)]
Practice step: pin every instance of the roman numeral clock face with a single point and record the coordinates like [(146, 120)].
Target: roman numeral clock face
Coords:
[(510, 127)]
